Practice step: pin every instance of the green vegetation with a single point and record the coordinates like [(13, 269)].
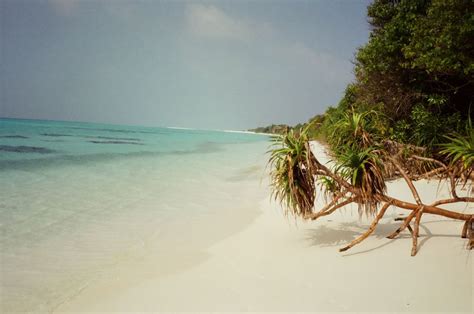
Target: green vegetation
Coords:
[(272, 129), (460, 150), (292, 175), (415, 75), (407, 115)]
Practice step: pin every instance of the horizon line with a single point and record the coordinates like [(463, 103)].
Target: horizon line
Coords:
[(137, 125)]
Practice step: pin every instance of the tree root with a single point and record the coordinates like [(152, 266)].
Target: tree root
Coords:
[(464, 229), (468, 232), (405, 224), (417, 208), (329, 209), (370, 230), (410, 229), (416, 231), (417, 211)]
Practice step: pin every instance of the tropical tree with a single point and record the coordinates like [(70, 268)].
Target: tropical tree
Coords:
[(407, 115), (359, 177), (293, 172)]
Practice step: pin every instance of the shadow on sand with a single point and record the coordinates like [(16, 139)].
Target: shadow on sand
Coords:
[(343, 233)]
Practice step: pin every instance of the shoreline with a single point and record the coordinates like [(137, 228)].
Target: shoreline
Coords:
[(103, 213), (276, 264), (155, 266), (298, 268)]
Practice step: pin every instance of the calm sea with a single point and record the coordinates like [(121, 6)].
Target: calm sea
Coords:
[(80, 200)]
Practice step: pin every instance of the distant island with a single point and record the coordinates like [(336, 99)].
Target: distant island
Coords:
[(313, 130), (272, 129)]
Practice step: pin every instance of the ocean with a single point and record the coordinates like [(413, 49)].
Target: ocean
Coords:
[(84, 201)]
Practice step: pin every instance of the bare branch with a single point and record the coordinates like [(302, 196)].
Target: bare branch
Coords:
[(429, 209), (370, 230), (415, 232), (407, 180), (429, 174), (332, 203), (464, 229), (427, 159), (329, 211), (405, 224), (453, 200), (453, 185)]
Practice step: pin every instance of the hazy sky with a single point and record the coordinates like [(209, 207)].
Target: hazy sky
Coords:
[(210, 64)]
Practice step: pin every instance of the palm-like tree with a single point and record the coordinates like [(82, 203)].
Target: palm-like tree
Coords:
[(364, 170), (461, 148), (359, 177), (352, 130), (292, 173)]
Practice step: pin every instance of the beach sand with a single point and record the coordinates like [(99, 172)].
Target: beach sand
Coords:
[(267, 262)]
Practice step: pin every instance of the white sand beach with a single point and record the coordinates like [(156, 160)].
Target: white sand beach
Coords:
[(267, 262), (149, 150)]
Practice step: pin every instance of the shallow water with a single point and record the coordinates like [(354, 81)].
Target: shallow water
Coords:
[(80, 199)]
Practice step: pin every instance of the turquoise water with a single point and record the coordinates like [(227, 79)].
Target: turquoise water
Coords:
[(41, 143), (78, 200)]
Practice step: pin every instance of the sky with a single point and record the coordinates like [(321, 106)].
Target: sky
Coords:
[(198, 64)]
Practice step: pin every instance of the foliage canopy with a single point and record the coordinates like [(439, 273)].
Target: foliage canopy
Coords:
[(416, 72), (407, 115)]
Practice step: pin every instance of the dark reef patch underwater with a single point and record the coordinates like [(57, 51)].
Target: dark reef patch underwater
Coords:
[(26, 149), (13, 136)]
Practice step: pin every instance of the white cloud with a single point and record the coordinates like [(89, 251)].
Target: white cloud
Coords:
[(64, 7), (239, 53), (211, 22)]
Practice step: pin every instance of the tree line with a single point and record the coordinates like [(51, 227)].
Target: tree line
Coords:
[(407, 115)]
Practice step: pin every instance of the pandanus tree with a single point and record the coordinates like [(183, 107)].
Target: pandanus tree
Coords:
[(359, 174)]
